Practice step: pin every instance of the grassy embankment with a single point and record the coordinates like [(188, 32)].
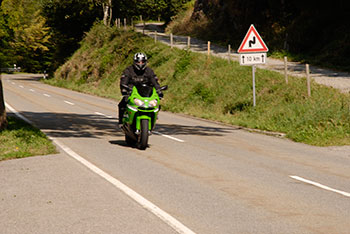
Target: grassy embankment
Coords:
[(211, 88), (20, 140)]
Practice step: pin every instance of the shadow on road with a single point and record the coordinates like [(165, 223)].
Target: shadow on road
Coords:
[(69, 125), (176, 129), (74, 125)]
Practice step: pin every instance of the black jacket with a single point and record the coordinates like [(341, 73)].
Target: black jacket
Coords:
[(132, 76)]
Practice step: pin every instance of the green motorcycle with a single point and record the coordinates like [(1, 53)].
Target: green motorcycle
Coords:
[(141, 114)]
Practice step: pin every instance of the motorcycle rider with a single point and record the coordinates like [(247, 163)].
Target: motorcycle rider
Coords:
[(136, 74)]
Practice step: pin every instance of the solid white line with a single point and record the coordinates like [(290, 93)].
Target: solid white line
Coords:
[(168, 219), (165, 217), (170, 137), (320, 185), (70, 103), (46, 95), (17, 114)]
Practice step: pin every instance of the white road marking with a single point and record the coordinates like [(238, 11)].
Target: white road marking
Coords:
[(320, 185), (70, 103), (17, 114), (165, 217), (21, 86), (98, 113), (32, 90), (170, 137), (46, 95), (108, 116), (13, 83)]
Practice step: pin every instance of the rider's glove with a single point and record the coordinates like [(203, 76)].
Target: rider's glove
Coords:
[(160, 94), (124, 92)]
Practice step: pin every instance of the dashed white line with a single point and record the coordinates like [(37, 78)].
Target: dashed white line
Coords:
[(31, 90), (320, 185), (70, 103), (21, 86), (46, 95), (170, 137), (164, 216), (99, 113), (13, 83)]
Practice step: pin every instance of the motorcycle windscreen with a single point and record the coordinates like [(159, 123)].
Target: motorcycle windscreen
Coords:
[(144, 90)]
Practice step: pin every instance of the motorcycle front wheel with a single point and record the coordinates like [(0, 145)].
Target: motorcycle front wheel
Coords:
[(144, 134)]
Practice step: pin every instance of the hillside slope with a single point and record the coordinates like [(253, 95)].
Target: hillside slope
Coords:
[(210, 87)]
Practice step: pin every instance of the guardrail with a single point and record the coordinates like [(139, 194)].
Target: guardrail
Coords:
[(10, 69)]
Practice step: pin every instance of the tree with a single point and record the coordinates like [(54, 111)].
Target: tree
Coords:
[(107, 10), (29, 36), (3, 121), (68, 21)]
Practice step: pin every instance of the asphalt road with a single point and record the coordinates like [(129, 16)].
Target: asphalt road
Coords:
[(196, 176)]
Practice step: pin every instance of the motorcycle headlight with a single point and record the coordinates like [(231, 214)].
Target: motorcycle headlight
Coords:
[(138, 102), (153, 103)]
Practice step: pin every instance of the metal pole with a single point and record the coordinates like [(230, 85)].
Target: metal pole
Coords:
[(254, 99)]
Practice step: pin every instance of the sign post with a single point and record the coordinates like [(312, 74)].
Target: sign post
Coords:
[(252, 51)]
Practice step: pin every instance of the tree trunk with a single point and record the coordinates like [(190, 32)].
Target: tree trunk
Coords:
[(107, 12), (3, 120)]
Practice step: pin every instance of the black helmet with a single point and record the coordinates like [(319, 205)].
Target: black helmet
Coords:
[(140, 61)]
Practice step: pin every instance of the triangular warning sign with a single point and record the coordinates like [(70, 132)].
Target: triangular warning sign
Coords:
[(252, 42)]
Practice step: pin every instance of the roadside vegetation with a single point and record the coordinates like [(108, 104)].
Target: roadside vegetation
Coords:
[(211, 88), (290, 28), (20, 140)]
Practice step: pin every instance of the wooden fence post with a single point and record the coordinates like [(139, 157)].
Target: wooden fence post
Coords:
[(188, 42), (308, 80), (286, 69), (229, 53), (208, 48), (124, 23), (155, 36), (171, 40), (143, 28)]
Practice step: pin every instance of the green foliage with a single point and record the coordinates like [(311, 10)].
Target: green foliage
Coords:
[(68, 20), (313, 33), (20, 140), (212, 88), (26, 36), (149, 9)]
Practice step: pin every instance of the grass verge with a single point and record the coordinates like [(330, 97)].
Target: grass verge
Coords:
[(20, 140), (211, 88)]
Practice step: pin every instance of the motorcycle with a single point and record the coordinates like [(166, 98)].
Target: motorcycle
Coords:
[(141, 114)]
